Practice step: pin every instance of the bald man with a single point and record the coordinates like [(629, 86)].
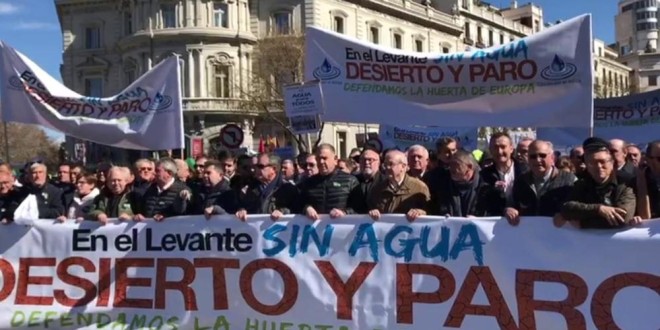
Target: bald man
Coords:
[(625, 170), (401, 193)]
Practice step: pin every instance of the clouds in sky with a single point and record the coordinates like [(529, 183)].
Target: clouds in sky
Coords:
[(34, 26), (7, 8)]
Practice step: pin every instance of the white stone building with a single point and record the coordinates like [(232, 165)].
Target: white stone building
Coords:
[(637, 42), (611, 78), (109, 43)]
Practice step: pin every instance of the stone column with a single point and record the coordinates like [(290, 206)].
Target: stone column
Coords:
[(191, 74), (203, 83), (189, 13)]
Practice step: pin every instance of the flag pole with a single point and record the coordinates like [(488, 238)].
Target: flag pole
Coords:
[(6, 142)]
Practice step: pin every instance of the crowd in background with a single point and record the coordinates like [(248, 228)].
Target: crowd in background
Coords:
[(602, 184)]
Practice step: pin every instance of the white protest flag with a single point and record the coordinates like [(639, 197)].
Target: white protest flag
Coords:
[(542, 80), (147, 115)]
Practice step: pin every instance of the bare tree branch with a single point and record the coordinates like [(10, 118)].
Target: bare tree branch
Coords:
[(277, 61)]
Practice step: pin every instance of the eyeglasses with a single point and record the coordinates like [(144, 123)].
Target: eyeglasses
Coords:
[(309, 165), (262, 166), (539, 155), (356, 158), (82, 182), (199, 166), (145, 169)]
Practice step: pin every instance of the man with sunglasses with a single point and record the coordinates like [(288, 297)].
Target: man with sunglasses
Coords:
[(577, 158), (146, 174), (268, 194), (543, 189), (599, 200)]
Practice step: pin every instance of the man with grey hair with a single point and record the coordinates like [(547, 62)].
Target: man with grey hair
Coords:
[(543, 189), (418, 161), (166, 197), (401, 193), (49, 197), (144, 169), (463, 193)]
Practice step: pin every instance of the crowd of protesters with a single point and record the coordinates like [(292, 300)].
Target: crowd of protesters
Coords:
[(602, 184)]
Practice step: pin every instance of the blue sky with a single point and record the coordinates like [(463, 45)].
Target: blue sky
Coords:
[(31, 26)]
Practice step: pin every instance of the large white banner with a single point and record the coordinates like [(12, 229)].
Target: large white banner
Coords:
[(405, 137), (147, 115), (353, 273), (541, 80), (633, 118)]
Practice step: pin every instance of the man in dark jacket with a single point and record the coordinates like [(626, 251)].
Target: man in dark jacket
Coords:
[(464, 193), (328, 191), (648, 184), (624, 169), (504, 171), (9, 197), (543, 189), (268, 194), (213, 196), (599, 200), (369, 176), (166, 197), (145, 176), (49, 197), (65, 182)]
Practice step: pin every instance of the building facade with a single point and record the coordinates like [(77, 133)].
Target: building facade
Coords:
[(109, 43), (611, 78), (637, 42)]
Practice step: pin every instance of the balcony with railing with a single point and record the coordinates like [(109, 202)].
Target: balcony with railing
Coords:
[(413, 9), (218, 105), (495, 17)]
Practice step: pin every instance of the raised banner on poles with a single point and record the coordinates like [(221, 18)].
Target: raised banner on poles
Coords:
[(351, 273), (541, 80), (405, 137), (146, 115), (633, 118)]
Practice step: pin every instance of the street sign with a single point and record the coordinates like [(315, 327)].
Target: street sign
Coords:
[(231, 136), (375, 143)]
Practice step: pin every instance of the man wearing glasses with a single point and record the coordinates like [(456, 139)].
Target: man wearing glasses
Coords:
[(599, 200), (267, 195), (369, 176), (543, 189), (145, 176)]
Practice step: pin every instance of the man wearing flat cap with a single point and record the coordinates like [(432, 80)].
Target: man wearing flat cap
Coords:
[(599, 200)]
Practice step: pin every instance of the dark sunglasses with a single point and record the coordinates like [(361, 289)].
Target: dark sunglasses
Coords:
[(356, 159), (539, 155), (308, 165), (261, 166)]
